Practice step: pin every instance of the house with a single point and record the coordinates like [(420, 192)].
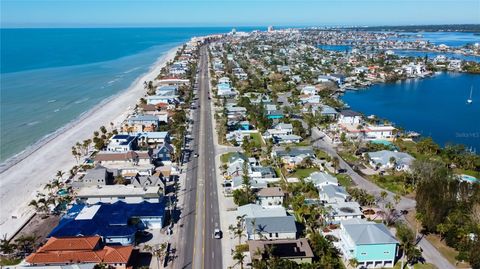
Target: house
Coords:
[(114, 193), (113, 222), (150, 138), (320, 179), (333, 194), (370, 243), (279, 129), (293, 156), (142, 123), (128, 163), (257, 211), (287, 139), (164, 154), (349, 117), (343, 211), (255, 183), (82, 250), (147, 181), (297, 250), (94, 177), (281, 227), (274, 114), (378, 132), (387, 159), (309, 90), (122, 143), (272, 196)]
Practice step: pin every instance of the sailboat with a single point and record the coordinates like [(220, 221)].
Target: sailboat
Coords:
[(470, 100)]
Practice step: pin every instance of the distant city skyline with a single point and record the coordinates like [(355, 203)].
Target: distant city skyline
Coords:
[(112, 13)]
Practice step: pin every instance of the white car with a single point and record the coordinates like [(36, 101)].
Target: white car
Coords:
[(217, 234)]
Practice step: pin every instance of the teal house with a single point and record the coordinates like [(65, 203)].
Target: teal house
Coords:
[(370, 243)]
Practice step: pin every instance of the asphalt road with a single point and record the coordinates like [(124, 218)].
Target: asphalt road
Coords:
[(197, 247)]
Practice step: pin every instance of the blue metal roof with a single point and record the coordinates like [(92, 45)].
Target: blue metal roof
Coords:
[(111, 220)]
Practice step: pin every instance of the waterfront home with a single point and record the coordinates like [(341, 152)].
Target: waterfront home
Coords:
[(85, 251), (122, 143), (93, 177), (349, 117), (372, 132), (113, 193), (320, 179), (147, 108), (280, 227), (272, 196), (325, 110), (167, 90), (370, 243), (340, 210), (128, 163), (296, 250), (387, 159), (142, 123), (333, 194), (116, 223), (149, 138), (162, 99)]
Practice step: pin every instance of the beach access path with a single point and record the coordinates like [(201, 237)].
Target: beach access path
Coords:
[(20, 183)]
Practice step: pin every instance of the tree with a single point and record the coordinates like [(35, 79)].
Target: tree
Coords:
[(408, 243), (60, 174), (335, 163), (103, 129), (239, 257), (159, 252), (25, 244), (239, 228), (6, 247)]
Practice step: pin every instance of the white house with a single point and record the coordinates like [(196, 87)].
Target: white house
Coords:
[(349, 117), (121, 143), (282, 227), (272, 196), (343, 211), (387, 159), (114, 193)]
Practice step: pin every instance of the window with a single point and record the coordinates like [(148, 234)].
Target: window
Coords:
[(276, 235), (270, 235)]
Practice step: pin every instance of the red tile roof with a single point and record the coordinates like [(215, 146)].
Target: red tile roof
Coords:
[(79, 250)]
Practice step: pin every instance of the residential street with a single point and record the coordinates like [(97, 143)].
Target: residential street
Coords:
[(430, 253)]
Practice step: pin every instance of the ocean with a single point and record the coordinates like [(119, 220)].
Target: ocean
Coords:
[(49, 77), (434, 107)]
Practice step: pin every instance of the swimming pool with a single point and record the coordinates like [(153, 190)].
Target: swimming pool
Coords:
[(468, 178)]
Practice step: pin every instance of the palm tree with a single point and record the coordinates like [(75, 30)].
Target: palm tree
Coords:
[(238, 229), (159, 252), (60, 174), (353, 262), (239, 257), (335, 163), (26, 244), (6, 247), (120, 180)]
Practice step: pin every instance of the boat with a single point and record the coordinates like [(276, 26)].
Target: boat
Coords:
[(470, 100)]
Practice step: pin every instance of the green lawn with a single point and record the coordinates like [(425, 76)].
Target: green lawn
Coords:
[(349, 158), (322, 154), (257, 139), (224, 158), (303, 173), (472, 173), (345, 180), (392, 183), (304, 143)]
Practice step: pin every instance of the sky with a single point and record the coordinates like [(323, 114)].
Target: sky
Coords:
[(99, 13)]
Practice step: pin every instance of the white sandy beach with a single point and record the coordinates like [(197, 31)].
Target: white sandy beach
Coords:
[(20, 182)]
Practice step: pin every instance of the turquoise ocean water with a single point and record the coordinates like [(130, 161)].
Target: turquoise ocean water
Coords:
[(49, 77)]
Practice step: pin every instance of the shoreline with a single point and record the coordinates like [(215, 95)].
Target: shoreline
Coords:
[(37, 164)]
